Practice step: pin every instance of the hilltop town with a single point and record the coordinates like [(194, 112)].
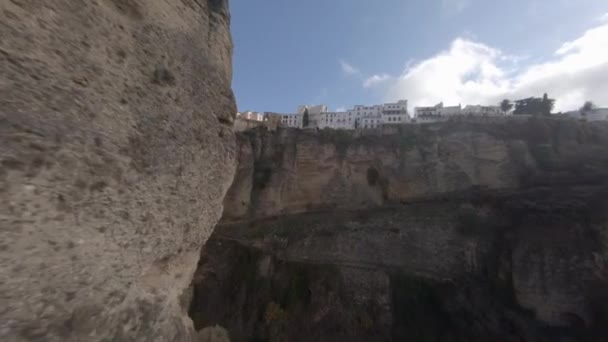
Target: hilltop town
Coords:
[(387, 114)]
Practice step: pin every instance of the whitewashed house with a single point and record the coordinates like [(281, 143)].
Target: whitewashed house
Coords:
[(385, 114), (250, 115), (395, 113), (436, 113), (359, 117), (314, 114), (478, 110), (596, 114), (335, 120), (371, 122), (291, 120)]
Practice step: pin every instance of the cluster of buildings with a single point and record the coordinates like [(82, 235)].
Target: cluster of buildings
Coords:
[(359, 117), (595, 114), (440, 112), (369, 117)]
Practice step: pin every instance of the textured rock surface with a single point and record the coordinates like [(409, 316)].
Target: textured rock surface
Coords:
[(481, 271), (494, 232), (116, 149), (292, 171)]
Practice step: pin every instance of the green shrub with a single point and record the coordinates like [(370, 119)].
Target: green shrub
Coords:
[(274, 314)]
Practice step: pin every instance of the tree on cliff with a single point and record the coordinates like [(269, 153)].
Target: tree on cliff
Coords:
[(534, 106), (530, 105), (587, 107), (506, 106), (547, 105), (305, 119)]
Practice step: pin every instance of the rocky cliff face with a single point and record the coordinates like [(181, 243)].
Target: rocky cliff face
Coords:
[(294, 171), (116, 149), (463, 232)]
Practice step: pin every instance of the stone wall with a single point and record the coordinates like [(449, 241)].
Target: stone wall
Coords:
[(116, 148)]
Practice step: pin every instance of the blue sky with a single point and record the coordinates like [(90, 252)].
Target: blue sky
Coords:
[(347, 52)]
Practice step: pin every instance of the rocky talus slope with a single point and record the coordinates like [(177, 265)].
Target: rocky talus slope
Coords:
[(116, 149), (449, 232)]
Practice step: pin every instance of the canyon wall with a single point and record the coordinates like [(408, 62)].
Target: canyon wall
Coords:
[(293, 171), (116, 148), (493, 232)]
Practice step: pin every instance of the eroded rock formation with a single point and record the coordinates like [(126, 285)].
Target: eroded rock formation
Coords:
[(295, 171), (116, 149), (460, 232)]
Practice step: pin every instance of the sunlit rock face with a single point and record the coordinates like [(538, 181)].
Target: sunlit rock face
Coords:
[(458, 231), (116, 150), (293, 171)]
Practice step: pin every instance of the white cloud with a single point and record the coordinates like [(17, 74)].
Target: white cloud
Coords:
[(347, 68), (604, 18), (375, 80), (341, 109), (471, 73)]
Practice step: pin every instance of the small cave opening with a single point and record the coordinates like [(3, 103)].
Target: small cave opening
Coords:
[(373, 176), (572, 320)]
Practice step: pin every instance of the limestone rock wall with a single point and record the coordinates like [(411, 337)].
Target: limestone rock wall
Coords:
[(293, 171), (537, 266), (116, 149), (517, 206)]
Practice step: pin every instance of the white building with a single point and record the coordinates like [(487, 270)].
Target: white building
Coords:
[(436, 113), (313, 110), (359, 117), (429, 114), (596, 114), (250, 115), (386, 114), (291, 120), (335, 120), (479, 110), (314, 114), (395, 113), (451, 111), (371, 122)]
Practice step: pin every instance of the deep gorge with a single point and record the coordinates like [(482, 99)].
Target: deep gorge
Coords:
[(448, 232), (118, 157)]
